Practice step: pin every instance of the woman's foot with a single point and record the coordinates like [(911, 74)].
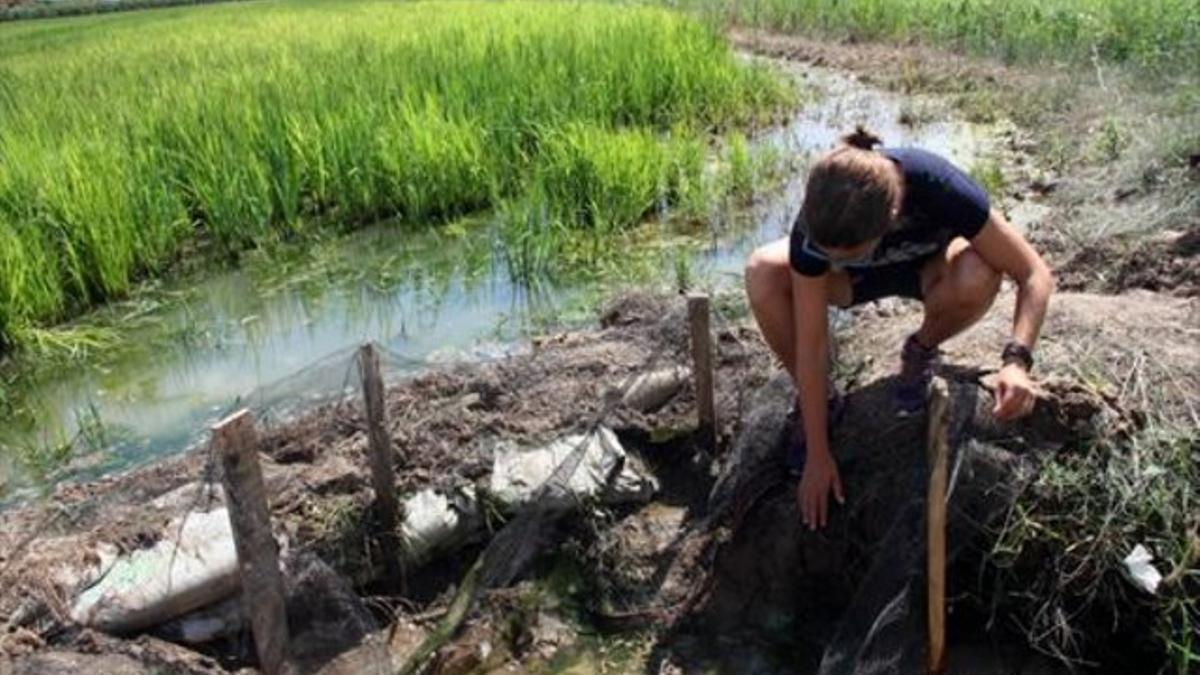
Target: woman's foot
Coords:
[(917, 363), (798, 443)]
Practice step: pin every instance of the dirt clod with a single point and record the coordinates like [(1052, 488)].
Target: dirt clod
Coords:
[(1168, 264)]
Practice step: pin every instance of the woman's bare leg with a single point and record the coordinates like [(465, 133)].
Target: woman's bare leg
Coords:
[(769, 289), (959, 289)]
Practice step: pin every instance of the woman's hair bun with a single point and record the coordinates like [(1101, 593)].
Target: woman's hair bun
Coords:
[(862, 139)]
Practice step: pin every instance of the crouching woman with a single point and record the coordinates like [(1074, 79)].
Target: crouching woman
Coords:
[(879, 222)]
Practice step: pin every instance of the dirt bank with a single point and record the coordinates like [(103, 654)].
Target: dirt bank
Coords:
[(445, 428), (654, 572)]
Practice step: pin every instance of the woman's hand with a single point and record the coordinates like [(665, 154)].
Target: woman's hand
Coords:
[(820, 477), (1015, 393)]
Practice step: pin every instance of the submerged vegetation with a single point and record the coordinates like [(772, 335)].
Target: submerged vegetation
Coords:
[(150, 135)]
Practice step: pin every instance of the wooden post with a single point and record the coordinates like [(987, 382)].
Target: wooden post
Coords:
[(258, 556), (383, 475), (702, 365), (937, 460)]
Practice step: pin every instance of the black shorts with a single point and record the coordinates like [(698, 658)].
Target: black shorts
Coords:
[(901, 279)]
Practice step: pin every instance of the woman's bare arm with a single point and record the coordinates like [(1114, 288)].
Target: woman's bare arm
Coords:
[(809, 298), (1008, 252), (1003, 247)]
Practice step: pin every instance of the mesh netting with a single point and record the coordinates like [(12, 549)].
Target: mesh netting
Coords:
[(516, 544), (885, 630)]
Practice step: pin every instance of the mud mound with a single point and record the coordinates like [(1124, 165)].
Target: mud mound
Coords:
[(1117, 374), (1139, 348), (1168, 264), (777, 585)]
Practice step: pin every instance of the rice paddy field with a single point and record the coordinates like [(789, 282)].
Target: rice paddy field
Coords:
[(1156, 34), (133, 140)]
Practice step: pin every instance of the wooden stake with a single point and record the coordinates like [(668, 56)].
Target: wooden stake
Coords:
[(937, 459), (237, 444), (383, 474), (702, 365)]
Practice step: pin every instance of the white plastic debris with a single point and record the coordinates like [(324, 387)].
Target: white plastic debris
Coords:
[(205, 624), (189, 567), (606, 472), (434, 520), (652, 390), (1139, 564)]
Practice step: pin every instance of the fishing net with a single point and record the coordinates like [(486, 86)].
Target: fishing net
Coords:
[(519, 541), (334, 379), (885, 628)]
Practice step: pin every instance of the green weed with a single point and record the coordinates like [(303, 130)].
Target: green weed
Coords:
[(1110, 141), (989, 174), (684, 276), (1061, 552)]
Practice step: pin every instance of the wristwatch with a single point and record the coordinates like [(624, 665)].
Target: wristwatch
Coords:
[(1015, 352)]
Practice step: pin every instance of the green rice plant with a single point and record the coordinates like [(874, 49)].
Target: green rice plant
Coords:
[(684, 275), (741, 167), (1155, 34), (602, 179), (742, 170), (591, 186), (132, 141), (691, 189)]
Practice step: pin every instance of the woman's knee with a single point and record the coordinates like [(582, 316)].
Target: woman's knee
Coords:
[(767, 273), (964, 283), (975, 278), (971, 284)]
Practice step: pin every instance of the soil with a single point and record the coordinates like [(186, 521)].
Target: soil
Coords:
[(444, 426), (691, 558), (908, 68), (1169, 263), (716, 572), (1138, 347)]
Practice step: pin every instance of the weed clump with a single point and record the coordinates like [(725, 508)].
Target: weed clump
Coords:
[(1059, 557)]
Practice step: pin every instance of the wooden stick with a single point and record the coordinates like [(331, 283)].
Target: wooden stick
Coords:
[(237, 444), (702, 362), (383, 474), (937, 459)]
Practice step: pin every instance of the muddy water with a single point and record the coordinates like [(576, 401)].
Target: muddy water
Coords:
[(426, 296)]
